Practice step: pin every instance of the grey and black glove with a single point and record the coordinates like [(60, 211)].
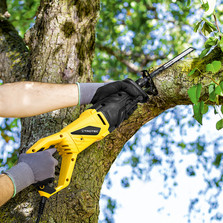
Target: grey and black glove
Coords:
[(32, 168), (87, 91), (128, 86), (118, 100), (95, 92)]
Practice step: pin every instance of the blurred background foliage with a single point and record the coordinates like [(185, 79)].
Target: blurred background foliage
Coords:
[(131, 36)]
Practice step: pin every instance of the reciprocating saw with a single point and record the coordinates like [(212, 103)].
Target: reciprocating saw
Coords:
[(93, 125)]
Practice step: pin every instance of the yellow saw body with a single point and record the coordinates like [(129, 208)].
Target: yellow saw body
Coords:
[(90, 127)]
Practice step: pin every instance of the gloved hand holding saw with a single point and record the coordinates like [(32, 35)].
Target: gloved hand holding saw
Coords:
[(31, 168)]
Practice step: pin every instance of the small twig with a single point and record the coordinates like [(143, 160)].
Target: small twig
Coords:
[(211, 78), (216, 23), (204, 74)]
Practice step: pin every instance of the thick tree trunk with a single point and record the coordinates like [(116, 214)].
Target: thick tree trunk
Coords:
[(61, 48)]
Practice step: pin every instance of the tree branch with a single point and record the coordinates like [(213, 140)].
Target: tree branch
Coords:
[(14, 56), (172, 85), (216, 23), (122, 57)]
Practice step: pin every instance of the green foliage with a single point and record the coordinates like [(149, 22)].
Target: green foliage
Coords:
[(198, 109), (109, 210), (219, 124), (9, 136), (218, 158), (214, 67), (210, 29), (22, 13), (205, 6), (194, 93), (7, 128), (130, 36), (215, 90), (125, 182), (190, 171)]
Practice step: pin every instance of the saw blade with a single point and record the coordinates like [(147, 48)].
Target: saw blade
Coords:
[(171, 62)]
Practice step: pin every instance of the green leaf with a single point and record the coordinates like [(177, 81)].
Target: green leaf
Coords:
[(192, 72), (206, 29), (214, 67), (221, 85), (188, 2), (194, 93), (197, 26), (219, 124), (205, 109), (209, 67), (205, 6), (221, 44), (198, 109), (222, 109), (219, 89), (218, 159), (204, 52), (217, 65), (211, 41), (211, 90), (210, 24), (125, 182), (190, 171), (182, 145)]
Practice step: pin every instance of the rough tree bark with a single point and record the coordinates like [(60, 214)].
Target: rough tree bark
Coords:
[(60, 50)]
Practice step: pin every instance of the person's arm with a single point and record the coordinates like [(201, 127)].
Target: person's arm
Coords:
[(6, 189), (24, 99)]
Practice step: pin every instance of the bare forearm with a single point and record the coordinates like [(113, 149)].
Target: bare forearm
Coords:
[(6, 190), (23, 99)]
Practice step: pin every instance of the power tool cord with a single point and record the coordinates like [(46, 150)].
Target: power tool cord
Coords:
[(41, 208)]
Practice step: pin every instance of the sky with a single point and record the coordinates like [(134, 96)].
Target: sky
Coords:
[(142, 201)]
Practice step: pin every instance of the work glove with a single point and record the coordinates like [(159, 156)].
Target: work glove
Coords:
[(118, 100), (32, 168), (87, 91), (127, 85)]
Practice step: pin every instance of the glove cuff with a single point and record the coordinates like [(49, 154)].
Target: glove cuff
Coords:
[(21, 176), (87, 92)]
